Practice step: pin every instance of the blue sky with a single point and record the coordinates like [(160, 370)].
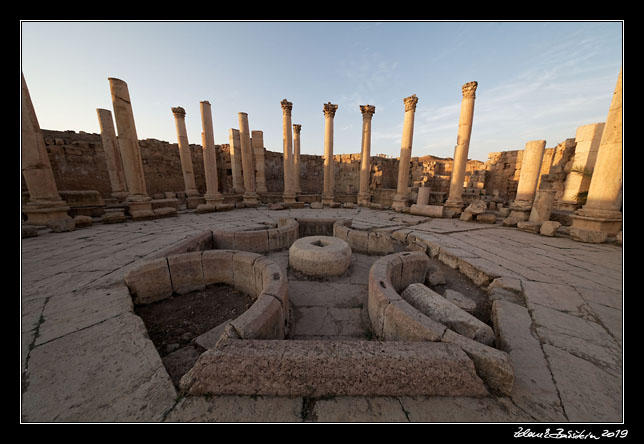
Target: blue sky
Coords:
[(537, 80)]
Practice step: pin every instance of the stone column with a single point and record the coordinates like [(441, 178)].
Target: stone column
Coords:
[(45, 204), (212, 196), (587, 142), (112, 154), (138, 200), (402, 189), (528, 180), (235, 160), (364, 196), (297, 128), (328, 192), (454, 203), (250, 195), (601, 217), (186, 158), (423, 195), (287, 137), (257, 141)]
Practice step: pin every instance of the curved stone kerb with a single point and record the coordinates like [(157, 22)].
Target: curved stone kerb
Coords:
[(251, 273), (258, 241)]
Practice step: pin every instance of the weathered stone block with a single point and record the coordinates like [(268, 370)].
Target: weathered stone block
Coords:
[(81, 221), (549, 228), (255, 241), (358, 241), (460, 301), (437, 211), (186, 272), (486, 218), (402, 322), (492, 365), (588, 236), (379, 243), (414, 269), (150, 281), (263, 320), (61, 225), (244, 273), (529, 227), (113, 217), (224, 240), (441, 310)]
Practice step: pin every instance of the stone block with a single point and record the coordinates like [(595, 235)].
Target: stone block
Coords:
[(150, 281), (529, 227), (437, 211), (254, 241), (341, 231), (244, 273), (380, 243), (476, 207), (492, 365), (381, 290), (318, 368), (164, 212), (263, 320), (186, 272), (29, 231), (486, 218), (358, 241), (224, 240), (271, 280), (61, 225), (81, 221), (113, 217), (588, 236), (414, 269), (317, 205), (403, 322), (549, 228), (460, 301), (466, 216), (441, 310)]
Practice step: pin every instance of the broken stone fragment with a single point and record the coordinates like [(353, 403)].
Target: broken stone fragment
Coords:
[(460, 301)]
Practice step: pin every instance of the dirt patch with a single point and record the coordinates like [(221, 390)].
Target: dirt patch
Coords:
[(173, 323)]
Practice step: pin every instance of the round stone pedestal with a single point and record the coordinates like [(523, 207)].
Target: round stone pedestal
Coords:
[(320, 256)]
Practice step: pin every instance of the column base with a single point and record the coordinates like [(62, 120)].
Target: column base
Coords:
[(251, 199), (261, 188), (520, 210), (120, 196), (594, 226), (289, 197), (400, 202), (327, 199), (193, 202), (453, 208), (42, 213), (140, 207), (364, 199), (212, 199)]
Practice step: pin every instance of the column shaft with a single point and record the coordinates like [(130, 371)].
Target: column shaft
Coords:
[(296, 158), (250, 196), (212, 196), (235, 160), (328, 192), (402, 189), (455, 197), (184, 152), (287, 138), (138, 199), (364, 197), (260, 166), (45, 204), (112, 154), (601, 217), (528, 179)]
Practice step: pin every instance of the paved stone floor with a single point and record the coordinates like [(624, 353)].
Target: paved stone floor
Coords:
[(86, 356)]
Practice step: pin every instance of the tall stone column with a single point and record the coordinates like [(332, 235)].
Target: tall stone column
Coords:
[(289, 191), (185, 157), (364, 196), (112, 154), (402, 189), (297, 128), (139, 202), (212, 196), (235, 160), (45, 204), (328, 191), (528, 180), (257, 141), (601, 217), (587, 142), (454, 203), (250, 195)]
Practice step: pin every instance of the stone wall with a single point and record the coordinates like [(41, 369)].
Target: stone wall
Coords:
[(78, 162)]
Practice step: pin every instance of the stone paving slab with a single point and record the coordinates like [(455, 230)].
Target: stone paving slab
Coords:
[(86, 356)]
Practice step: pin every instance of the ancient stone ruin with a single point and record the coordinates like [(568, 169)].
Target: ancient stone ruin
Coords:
[(325, 279)]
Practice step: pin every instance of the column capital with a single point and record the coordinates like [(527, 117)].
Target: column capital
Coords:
[(286, 106), (329, 109), (410, 102), (367, 110), (297, 128), (179, 112), (469, 90)]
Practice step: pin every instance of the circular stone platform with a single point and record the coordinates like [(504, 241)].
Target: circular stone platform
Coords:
[(320, 255)]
